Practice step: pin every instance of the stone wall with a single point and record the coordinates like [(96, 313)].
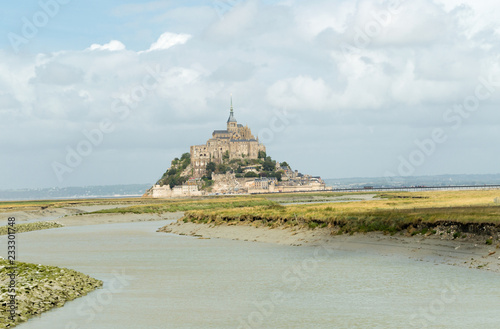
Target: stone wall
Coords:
[(177, 192)]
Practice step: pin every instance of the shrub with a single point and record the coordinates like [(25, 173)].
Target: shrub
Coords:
[(313, 225)]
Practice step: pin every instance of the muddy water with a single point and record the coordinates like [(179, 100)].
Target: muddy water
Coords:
[(157, 280)]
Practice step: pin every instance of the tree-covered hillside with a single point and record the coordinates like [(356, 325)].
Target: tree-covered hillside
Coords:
[(174, 175), (264, 166)]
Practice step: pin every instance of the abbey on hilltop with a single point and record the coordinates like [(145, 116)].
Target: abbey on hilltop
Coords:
[(231, 162), (236, 142)]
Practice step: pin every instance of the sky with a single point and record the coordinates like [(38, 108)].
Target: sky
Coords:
[(109, 92)]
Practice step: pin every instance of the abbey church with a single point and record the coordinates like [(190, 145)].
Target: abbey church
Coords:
[(235, 142)]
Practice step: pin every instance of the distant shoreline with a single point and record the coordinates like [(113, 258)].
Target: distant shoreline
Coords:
[(339, 184), (83, 198)]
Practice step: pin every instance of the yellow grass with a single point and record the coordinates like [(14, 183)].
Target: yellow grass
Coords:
[(392, 211)]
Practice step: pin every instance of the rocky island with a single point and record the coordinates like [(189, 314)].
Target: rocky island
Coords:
[(233, 161)]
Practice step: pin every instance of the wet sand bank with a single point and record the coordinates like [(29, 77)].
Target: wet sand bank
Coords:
[(421, 248)]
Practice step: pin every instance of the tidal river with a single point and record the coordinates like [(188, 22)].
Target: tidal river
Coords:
[(159, 280)]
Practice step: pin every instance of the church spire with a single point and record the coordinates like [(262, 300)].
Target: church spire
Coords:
[(231, 114)]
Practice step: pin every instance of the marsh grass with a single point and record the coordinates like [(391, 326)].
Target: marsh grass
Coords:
[(189, 204), (393, 212), (44, 204), (40, 288), (28, 227)]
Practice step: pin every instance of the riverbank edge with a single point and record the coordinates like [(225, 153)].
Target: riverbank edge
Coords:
[(470, 252), (40, 288), (28, 227)]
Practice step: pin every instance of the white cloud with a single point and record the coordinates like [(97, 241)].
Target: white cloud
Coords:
[(302, 92), (168, 40), (113, 45), (237, 20)]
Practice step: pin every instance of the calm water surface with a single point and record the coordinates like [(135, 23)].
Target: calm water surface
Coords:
[(158, 280)]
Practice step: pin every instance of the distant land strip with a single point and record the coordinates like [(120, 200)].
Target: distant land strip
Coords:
[(419, 188)]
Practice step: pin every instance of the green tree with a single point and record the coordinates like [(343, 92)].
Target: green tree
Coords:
[(269, 164), (276, 174), (251, 174), (261, 155), (225, 157), (173, 176), (284, 164), (221, 168), (210, 168), (207, 182)]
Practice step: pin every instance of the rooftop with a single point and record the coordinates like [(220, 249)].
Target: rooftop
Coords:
[(220, 132)]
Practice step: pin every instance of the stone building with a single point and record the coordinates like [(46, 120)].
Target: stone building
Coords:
[(235, 142)]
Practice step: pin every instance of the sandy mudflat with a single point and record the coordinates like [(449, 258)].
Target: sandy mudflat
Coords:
[(31, 215), (51, 213), (76, 216), (93, 219), (430, 249)]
